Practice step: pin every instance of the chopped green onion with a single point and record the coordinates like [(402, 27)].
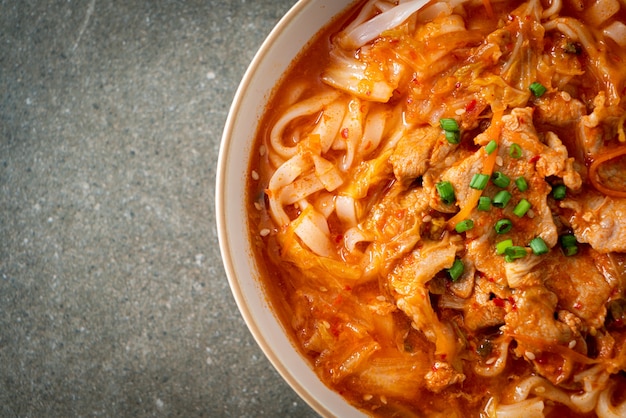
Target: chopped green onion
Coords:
[(537, 89), (464, 225), (479, 181), (521, 208), (569, 245), (456, 270), (559, 192), (515, 151), (501, 199), (446, 192), (500, 179), (484, 203), (503, 245), (449, 124), (568, 240), (514, 252), (491, 146), (503, 226), (521, 184), (453, 137), (538, 245), (451, 128)]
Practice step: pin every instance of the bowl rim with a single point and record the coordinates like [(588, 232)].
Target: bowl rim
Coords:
[(225, 245)]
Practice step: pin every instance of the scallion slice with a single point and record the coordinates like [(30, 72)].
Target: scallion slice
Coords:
[(537, 89), (538, 245), (521, 208), (451, 130), (484, 203), (479, 181), (449, 124), (446, 192), (515, 151), (500, 179), (464, 225), (521, 184), (568, 240), (501, 199), (453, 137), (559, 192), (514, 252), (491, 146), (503, 226), (569, 245), (503, 245), (456, 270)]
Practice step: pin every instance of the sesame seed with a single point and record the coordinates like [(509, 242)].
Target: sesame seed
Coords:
[(367, 397), (499, 161), (529, 355), (255, 175), (572, 344), (491, 361), (264, 232), (459, 112), (427, 218), (262, 150), (530, 213), (540, 389), (257, 206)]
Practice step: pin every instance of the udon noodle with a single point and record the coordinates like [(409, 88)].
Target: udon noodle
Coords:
[(438, 202)]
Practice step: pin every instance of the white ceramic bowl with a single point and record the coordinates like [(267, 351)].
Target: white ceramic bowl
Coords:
[(285, 41)]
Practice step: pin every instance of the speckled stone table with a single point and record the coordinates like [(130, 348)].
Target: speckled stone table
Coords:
[(113, 299)]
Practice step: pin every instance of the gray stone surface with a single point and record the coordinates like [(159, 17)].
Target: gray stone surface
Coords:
[(113, 299)]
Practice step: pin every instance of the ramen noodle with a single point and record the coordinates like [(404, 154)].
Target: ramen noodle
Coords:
[(438, 206)]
